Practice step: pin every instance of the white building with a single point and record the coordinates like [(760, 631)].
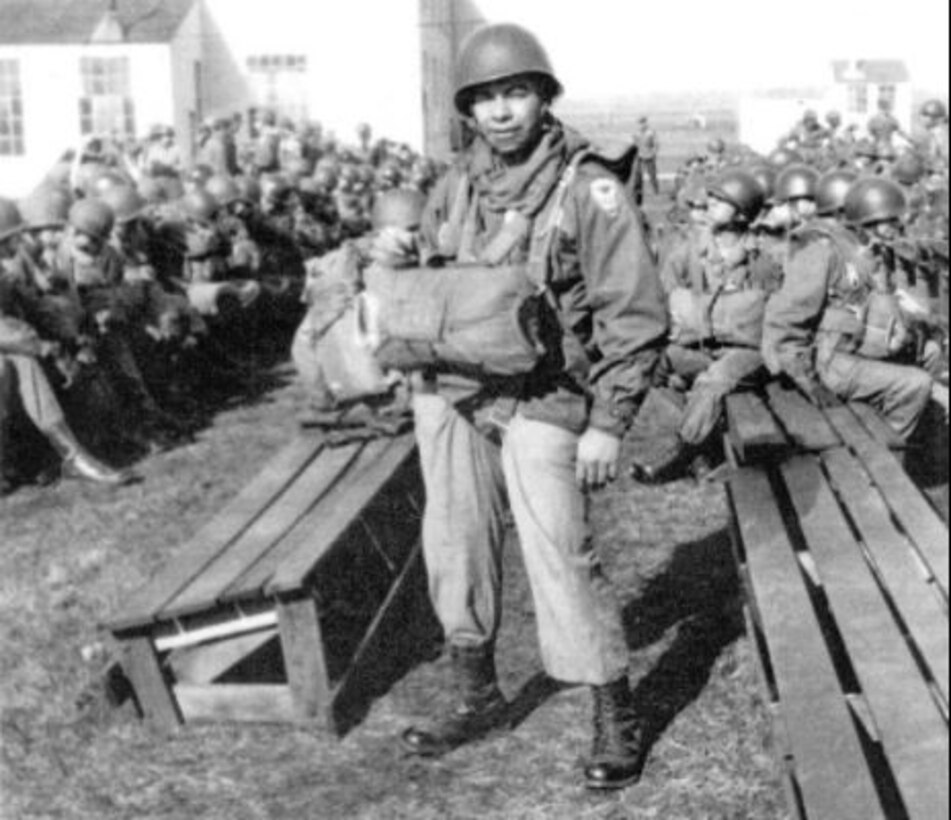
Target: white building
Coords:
[(71, 68), (854, 89)]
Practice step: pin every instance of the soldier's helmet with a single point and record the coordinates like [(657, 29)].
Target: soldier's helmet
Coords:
[(934, 109), (742, 190), (126, 202), (153, 191), (47, 207), (398, 208), (765, 175), (92, 217), (224, 189), (782, 157), (716, 146), (11, 221), (908, 169), (796, 181), (275, 188), (874, 199), (831, 190), (834, 118), (200, 206), (810, 116), (250, 190), (495, 52)]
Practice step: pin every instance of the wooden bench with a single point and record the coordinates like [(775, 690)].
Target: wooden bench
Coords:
[(845, 570), (269, 611)]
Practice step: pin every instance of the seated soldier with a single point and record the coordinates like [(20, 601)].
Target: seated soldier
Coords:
[(22, 354), (716, 286), (837, 327)]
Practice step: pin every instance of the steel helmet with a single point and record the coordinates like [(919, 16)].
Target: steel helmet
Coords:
[(908, 169), (716, 146), (398, 208), (152, 190), (831, 190), (126, 202), (173, 187), (11, 221), (810, 115), (765, 175), (933, 108), (105, 181), (782, 157), (796, 181), (47, 207), (224, 189), (275, 187), (874, 199), (200, 174), (326, 178), (496, 51), (741, 189), (92, 217), (833, 117), (200, 206)]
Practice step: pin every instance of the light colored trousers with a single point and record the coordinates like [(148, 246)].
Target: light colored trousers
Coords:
[(468, 478)]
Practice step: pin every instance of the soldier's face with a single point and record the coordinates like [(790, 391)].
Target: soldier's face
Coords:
[(509, 114)]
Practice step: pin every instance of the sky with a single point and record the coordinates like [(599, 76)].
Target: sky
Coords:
[(607, 47)]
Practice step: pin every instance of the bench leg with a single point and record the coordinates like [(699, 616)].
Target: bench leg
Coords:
[(303, 648), (152, 689)]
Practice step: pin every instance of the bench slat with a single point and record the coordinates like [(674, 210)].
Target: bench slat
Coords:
[(254, 581), (143, 607), (344, 503), (802, 420), (916, 516), (878, 428), (926, 619), (754, 432), (830, 765), (299, 498), (914, 736)]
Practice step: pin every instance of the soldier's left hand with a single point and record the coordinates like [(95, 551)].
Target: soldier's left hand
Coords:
[(597, 459)]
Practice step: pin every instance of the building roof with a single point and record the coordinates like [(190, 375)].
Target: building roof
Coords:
[(870, 71), (74, 22)]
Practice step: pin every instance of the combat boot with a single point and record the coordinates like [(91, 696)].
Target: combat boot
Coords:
[(619, 747), (77, 463), (479, 708)]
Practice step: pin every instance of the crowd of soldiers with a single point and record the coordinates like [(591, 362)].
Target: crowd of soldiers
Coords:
[(825, 263), (137, 293)]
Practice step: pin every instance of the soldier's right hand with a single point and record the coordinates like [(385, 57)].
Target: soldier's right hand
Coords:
[(394, 247)]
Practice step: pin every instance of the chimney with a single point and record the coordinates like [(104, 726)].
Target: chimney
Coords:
[(109, 28)]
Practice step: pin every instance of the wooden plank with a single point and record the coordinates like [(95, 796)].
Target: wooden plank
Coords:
[(344, 503), (801, 419), (236, 702), (877, 427), (205, 663), (915, 737), (754, 433), (294, 503), (918, 519), (830, 766), (201, 550), (899, 570), (303, 647), (144, 671), (254, 581)]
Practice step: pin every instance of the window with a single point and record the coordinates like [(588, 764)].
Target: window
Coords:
[(11, 109), (886, 93), (106, 106), (858, 98), (279, 83)]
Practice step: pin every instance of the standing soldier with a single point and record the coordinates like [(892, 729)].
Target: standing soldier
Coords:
[(934, 119), (646, 162), (883, 126), (529, 192)]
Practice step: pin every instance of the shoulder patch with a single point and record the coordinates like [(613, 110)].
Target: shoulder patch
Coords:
[(606, 193)]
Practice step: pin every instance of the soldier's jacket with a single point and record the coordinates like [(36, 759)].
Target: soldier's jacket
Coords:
[(17, 336), (600, 274), (828, 278)]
